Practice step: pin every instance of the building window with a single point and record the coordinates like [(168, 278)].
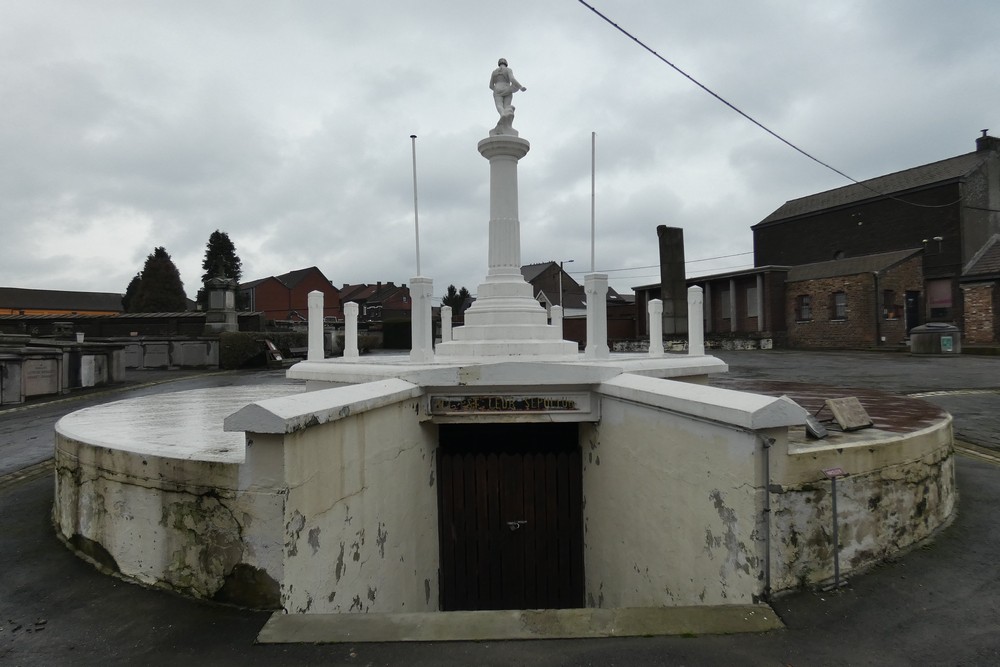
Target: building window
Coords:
[(939, 299), (838, 306), (752, 302), (803, 308), (889, 308), (724, 302)]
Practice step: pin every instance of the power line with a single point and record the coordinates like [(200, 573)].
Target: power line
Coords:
[(656, 266), (755, 121)]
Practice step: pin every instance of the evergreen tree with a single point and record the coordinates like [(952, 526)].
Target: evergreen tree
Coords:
[(130, 291), (220, 252), (455, 298), (160, 289)]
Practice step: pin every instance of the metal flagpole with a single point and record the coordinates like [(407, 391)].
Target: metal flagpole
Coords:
[(593, 170), (416, 221)]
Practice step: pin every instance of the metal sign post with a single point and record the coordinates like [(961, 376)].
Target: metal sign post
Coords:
[(833, 474)]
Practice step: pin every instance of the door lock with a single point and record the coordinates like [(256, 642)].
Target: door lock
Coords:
[(515, 525)]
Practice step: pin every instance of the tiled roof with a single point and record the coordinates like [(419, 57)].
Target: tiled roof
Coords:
[(849, 266), (371, 293), (900, 181), (40, 299), (293, 278), (289, 280), (986, 262), (532, 271)]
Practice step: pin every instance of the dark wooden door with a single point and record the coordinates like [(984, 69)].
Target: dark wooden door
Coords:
[(511, 519)]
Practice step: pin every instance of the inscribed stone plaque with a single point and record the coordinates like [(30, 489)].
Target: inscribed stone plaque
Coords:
[(508, 403), (40, 376), (849, 413)]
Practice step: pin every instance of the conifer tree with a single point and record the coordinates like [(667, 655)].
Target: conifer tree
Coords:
[(160, 289), (220, 252), (130, 291), (455, 298)]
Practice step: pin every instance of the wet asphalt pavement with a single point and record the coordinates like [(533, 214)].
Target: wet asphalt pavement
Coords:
[(936, 605)]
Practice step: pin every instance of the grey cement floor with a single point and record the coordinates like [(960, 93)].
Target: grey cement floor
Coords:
[(937, 605)]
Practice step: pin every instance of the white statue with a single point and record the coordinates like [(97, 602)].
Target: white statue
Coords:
[(504, 85)]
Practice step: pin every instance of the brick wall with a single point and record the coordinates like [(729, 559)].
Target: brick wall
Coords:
[(980, 313), (867, 319), (865, 228)]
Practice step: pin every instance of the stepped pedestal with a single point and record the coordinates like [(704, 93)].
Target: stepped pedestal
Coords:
[(505, 320)]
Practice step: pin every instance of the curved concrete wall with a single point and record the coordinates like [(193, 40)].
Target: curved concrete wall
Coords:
[(329, 504), (899, 490)]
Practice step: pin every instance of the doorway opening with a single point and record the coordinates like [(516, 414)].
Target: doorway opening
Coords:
[(510, 504)]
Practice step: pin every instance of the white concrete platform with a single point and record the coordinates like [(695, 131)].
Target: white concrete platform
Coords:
[(529, 370), (518, 624), (184, 425)]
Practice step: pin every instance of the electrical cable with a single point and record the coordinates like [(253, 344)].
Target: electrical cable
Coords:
[(755, 121)]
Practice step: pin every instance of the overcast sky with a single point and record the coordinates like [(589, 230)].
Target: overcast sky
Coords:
[(130, 125)]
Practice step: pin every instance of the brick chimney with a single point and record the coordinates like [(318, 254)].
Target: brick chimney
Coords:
[(987, 143)]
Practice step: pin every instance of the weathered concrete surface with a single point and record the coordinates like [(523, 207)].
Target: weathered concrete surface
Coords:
[(152, 489), (360, 525), (671, 510), (517, 624)]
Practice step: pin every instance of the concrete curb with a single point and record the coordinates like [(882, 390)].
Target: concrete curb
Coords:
[(501, 625)]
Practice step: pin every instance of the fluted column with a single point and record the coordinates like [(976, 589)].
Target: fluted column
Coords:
[(503, 152)]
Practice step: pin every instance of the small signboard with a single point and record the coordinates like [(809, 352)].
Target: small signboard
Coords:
[(947, 344), (834, 473), (849, 413)]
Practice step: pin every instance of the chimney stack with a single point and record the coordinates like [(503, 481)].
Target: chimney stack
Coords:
[(987, 143)]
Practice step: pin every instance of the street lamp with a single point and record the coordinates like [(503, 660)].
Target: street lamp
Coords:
[(561, 262)]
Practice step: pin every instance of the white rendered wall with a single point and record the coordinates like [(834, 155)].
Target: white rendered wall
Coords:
[(361, 514), (671, 510)]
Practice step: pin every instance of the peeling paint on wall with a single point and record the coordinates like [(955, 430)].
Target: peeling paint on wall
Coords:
[(879, 514)]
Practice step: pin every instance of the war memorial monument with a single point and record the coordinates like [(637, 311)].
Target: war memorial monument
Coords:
[(500, 469)]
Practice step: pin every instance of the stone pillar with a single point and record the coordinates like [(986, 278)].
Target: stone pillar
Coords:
[(557, 318), (350, 330), (445, 324), (696, 325), (595, 286), (655, 328), (315, 301), (421, 324), (672, 279)]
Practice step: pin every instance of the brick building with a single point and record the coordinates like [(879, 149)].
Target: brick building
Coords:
[(950, 209), (544, 279), (981, 295), (19, 301), (381, 302), (854, 303), (286, 297)]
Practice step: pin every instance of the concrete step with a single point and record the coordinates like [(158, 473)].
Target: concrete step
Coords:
[(284, 628)]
